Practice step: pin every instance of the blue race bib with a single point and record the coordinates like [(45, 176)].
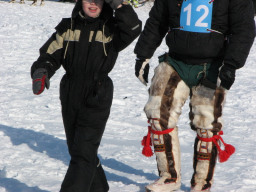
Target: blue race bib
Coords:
[(196, 15)]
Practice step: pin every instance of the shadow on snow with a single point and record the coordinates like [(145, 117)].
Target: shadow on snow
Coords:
[(13, 185), (56, 148)]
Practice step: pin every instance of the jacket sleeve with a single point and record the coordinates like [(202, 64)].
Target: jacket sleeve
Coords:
[(128, 27), (154, 31), (242, 32), (51, 53)]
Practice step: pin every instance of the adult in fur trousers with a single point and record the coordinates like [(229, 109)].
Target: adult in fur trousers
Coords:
[(208, 40), (86, 46)]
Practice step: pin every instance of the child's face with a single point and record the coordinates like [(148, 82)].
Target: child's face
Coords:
[(92, 8)]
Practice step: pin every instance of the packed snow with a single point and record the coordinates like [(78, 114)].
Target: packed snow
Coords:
[(33, 152)]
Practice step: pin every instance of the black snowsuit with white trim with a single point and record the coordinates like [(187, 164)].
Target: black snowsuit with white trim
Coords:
[(87, 48)]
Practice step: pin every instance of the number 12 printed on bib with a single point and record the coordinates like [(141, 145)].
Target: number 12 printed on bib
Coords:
[(196, 16)]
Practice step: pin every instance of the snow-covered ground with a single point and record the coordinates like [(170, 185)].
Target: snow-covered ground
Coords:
[(33, 152)]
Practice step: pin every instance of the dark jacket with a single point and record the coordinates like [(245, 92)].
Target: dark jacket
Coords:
[(232, 22), (87, 48)]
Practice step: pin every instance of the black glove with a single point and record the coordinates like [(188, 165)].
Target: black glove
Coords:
[(114, 3), (40, 81), (141, 70), (227, 76)]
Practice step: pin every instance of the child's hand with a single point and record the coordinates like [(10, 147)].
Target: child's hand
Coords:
[(40, 81)]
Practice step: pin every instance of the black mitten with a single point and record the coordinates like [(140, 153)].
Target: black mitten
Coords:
[(142, 69), (114, 3), (227, 76), (40, 81)]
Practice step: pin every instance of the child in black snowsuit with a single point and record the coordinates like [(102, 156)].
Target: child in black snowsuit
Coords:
[(87, 46), (208, 41)]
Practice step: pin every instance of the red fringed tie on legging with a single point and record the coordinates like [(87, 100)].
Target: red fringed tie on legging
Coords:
[(223, 154), (146, 141)]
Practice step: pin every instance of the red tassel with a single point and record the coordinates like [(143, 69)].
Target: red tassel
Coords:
[(224, 155), (147, 151), (230, 149), (143, 141), (146, 141)]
